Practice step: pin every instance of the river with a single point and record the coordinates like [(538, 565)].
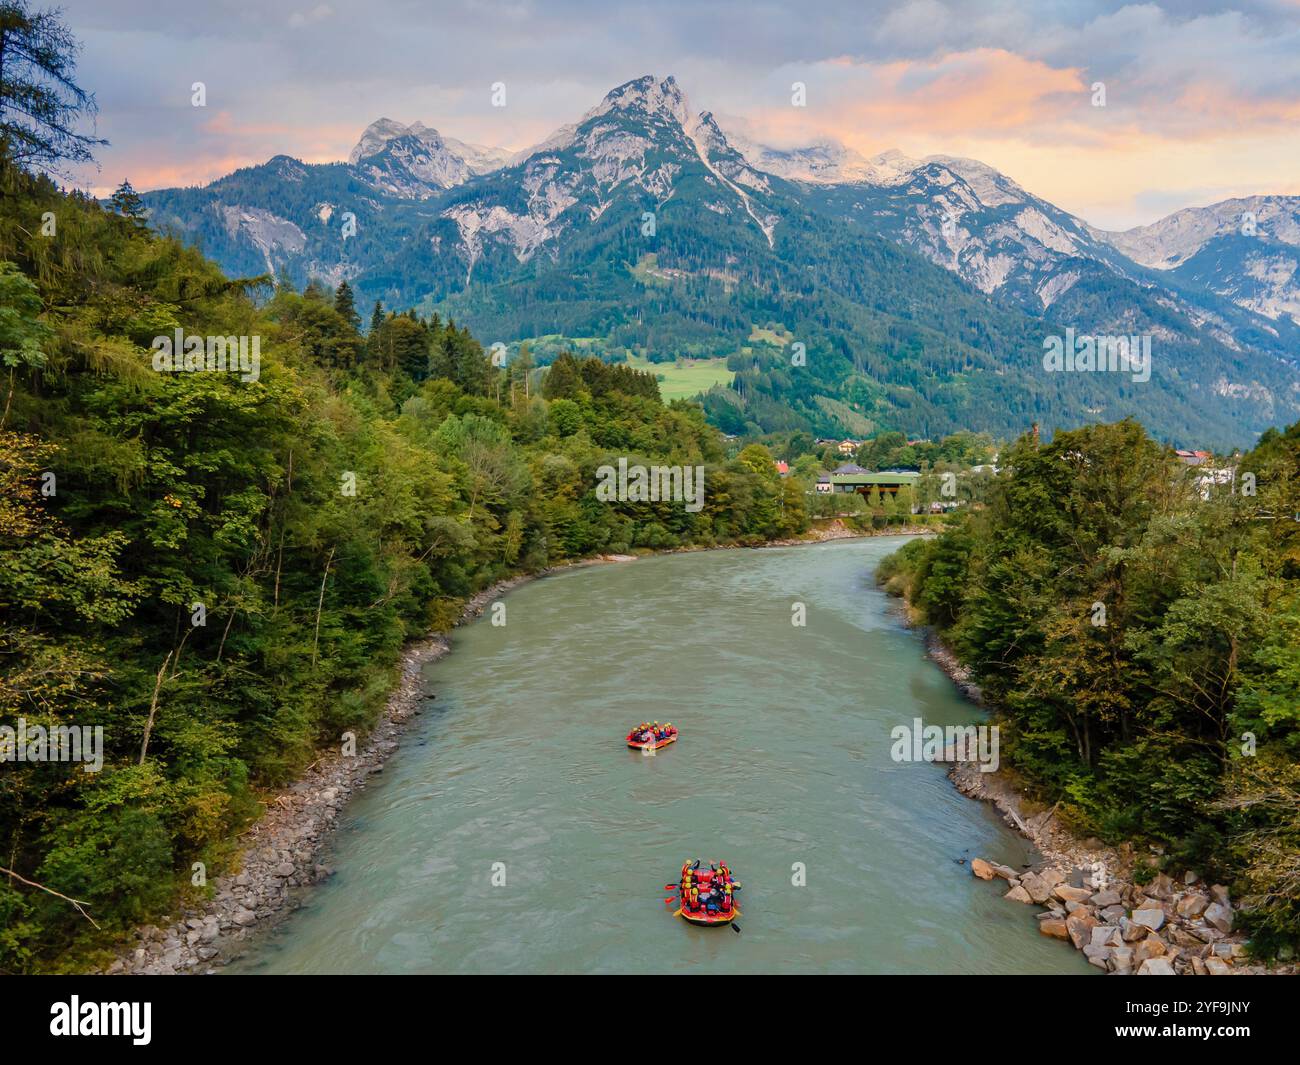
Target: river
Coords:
[(517, 772)]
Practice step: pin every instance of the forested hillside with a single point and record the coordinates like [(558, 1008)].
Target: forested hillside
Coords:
[(221, 572), (1138, 636)]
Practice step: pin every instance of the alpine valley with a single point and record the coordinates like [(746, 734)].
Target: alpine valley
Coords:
[(922, 291)]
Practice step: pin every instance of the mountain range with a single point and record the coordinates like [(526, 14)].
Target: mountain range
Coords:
[(921, 290)]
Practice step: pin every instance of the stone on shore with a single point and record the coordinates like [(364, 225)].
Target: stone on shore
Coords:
[(981, 869), (1151, 947), (1097, 955), (1105, 935), (1149, 918), (1039, 890), (1156, 967), (1054, 927), (1130, 931), (1080, 928), (1162, 887), (1219, 914), (1018, 894)]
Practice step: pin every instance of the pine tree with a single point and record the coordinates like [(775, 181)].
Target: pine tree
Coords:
[(345, 304), (127, 202), (40, 104)]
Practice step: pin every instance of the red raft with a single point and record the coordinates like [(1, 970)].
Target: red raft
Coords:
[(706, 900), (636, 741)]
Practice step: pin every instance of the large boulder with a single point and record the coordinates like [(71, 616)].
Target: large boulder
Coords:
[(1071, 894), (1149, 918), (1080, 927), (1105, 935), (981, 869), (1054, 927), (1156, 967), (1097, 955), (1018, 894), (1162, 887), (1131, 932), (1229, 952), (1151, 947), (1106, 898), (1219, 914), (1039, 890)]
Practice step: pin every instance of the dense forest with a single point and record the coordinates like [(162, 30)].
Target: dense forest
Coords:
[(1136, 631), (222, 572)]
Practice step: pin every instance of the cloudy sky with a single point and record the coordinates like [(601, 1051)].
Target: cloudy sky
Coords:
[(1202, 100)]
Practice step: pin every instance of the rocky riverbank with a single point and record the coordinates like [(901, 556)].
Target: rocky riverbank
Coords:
[(837, 529), (1104, 901)]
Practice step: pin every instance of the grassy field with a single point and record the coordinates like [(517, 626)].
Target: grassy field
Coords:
[(685, 377), (779, 336)]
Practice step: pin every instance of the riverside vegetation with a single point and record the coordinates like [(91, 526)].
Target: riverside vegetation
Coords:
[(1137, 636)]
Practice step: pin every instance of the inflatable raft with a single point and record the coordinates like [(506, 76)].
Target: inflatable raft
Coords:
[(708, 884), (652, 743)]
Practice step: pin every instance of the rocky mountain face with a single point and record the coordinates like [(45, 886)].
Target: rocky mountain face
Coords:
[(415, 162), (1014, 246), (923, 288), (1247, 250)]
